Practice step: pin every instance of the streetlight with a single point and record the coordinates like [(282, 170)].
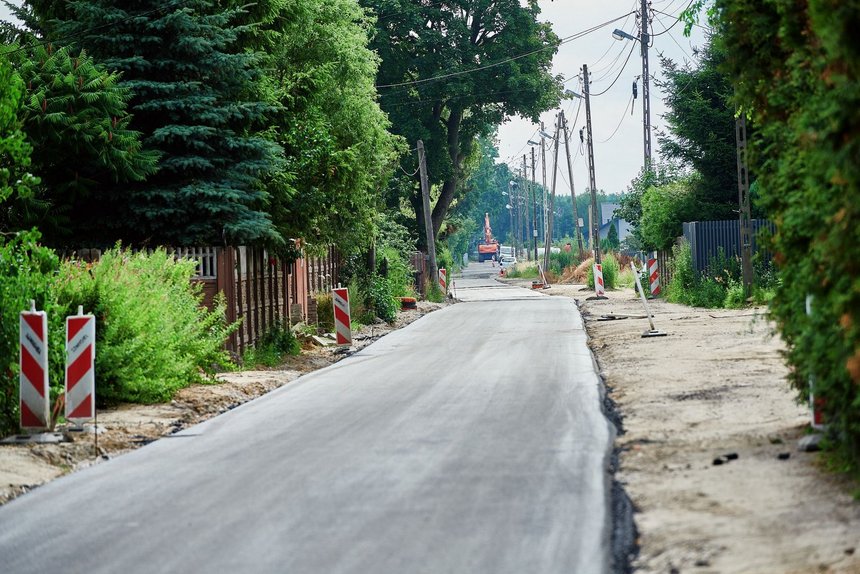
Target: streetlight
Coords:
[(622, 35)]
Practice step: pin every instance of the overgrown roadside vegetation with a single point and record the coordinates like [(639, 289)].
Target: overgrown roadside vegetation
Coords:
[(153, 336)]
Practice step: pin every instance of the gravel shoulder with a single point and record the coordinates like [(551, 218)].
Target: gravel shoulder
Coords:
[(709, 451), (126, 427)]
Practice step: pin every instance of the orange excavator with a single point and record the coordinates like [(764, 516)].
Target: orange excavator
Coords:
[(489, 247)]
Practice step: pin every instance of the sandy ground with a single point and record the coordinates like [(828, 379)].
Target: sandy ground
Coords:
[(713, 390), (124, 428)]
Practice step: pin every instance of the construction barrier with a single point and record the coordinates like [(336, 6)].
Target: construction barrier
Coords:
[(33, 379), (443, 280), (342, 325), (80, 368), (654, 275), (599, 289)]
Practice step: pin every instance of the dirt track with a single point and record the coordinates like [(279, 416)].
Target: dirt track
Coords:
[(714, 390)]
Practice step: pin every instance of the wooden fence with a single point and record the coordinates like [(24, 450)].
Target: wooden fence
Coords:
[(259, 289)]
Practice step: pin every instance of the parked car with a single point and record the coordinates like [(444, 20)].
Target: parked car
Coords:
[(508, 260)]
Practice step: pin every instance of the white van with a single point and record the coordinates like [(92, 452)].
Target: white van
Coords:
[(506, 250)]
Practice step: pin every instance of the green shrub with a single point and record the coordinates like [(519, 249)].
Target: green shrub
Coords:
[(558, 262), (400, 274), (523, 271), (270, 350), (153, 336), (27, 271), (325, 312), (610, 272)]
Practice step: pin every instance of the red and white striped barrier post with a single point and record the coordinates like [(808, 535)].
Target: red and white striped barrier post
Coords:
[(34, 393), (342, 325), (654, 275), (443, 280), (80, 368), (599, 289)]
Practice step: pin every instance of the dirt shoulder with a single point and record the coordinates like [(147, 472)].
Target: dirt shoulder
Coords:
[(709, 452), (127, 427)]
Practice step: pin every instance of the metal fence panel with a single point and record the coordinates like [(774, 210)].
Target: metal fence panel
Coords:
[(706, 238)]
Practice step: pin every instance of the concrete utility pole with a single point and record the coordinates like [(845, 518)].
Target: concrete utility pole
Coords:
[(527, 219), (595, 217), (534, 205), (551, 211), (543, 180), (428, 224), (744, 204), (576, 228), (644, 39)]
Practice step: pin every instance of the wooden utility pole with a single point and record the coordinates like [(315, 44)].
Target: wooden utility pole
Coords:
[(543, 180), (595, 217), (744, 204), (551, 211), (576, 228), (428, 224)]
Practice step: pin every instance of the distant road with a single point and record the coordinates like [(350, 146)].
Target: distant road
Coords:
[(468, 442)]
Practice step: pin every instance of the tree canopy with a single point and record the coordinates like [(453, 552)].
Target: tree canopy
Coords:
[(451, 72)]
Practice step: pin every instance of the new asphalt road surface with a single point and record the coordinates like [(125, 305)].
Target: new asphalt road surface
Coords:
[(471, 441)]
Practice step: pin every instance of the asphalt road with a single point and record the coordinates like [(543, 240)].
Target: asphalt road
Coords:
[(471, 442)]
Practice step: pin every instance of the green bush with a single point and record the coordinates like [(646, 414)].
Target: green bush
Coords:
[(270, 350), (558, 262), (688, 287), (610, 272), (796, 73), (153, 336), (400, 274), (325, 312), (523, 271), (27, 271)]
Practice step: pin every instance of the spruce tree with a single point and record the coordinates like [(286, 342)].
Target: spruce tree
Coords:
[(196, 101)]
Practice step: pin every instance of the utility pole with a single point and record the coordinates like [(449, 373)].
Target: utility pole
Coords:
[(527, 218), (576, 228), (428, 224), (744, 204), (551, 211), (644, 39), (534, 205), (595, 217), (543, 180)]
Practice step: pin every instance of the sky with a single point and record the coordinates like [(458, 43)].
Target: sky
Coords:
[(619, 157)]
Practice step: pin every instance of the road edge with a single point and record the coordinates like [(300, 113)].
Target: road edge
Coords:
[(624, 547)]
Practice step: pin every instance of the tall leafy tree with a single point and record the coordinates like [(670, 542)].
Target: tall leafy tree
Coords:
[(453, 71), (339, 152), (196, 100), (75, 115), (700, 136)]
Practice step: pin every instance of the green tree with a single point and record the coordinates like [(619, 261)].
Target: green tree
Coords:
[(631, 202), (338, 150), (75, 116), (15, 181), (701, 129), (197, 101), (449, 78), (664, 210)]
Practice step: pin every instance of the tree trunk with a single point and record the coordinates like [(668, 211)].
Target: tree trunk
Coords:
[(449, 187)]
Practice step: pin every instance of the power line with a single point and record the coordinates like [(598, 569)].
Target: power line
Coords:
[(633, 45), (623, 115), (570, 38)]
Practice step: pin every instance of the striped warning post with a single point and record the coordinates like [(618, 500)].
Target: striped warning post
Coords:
[(80, 368), (654, 275), (599, 289), (443, 280), (342, 325), (33, 379)]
